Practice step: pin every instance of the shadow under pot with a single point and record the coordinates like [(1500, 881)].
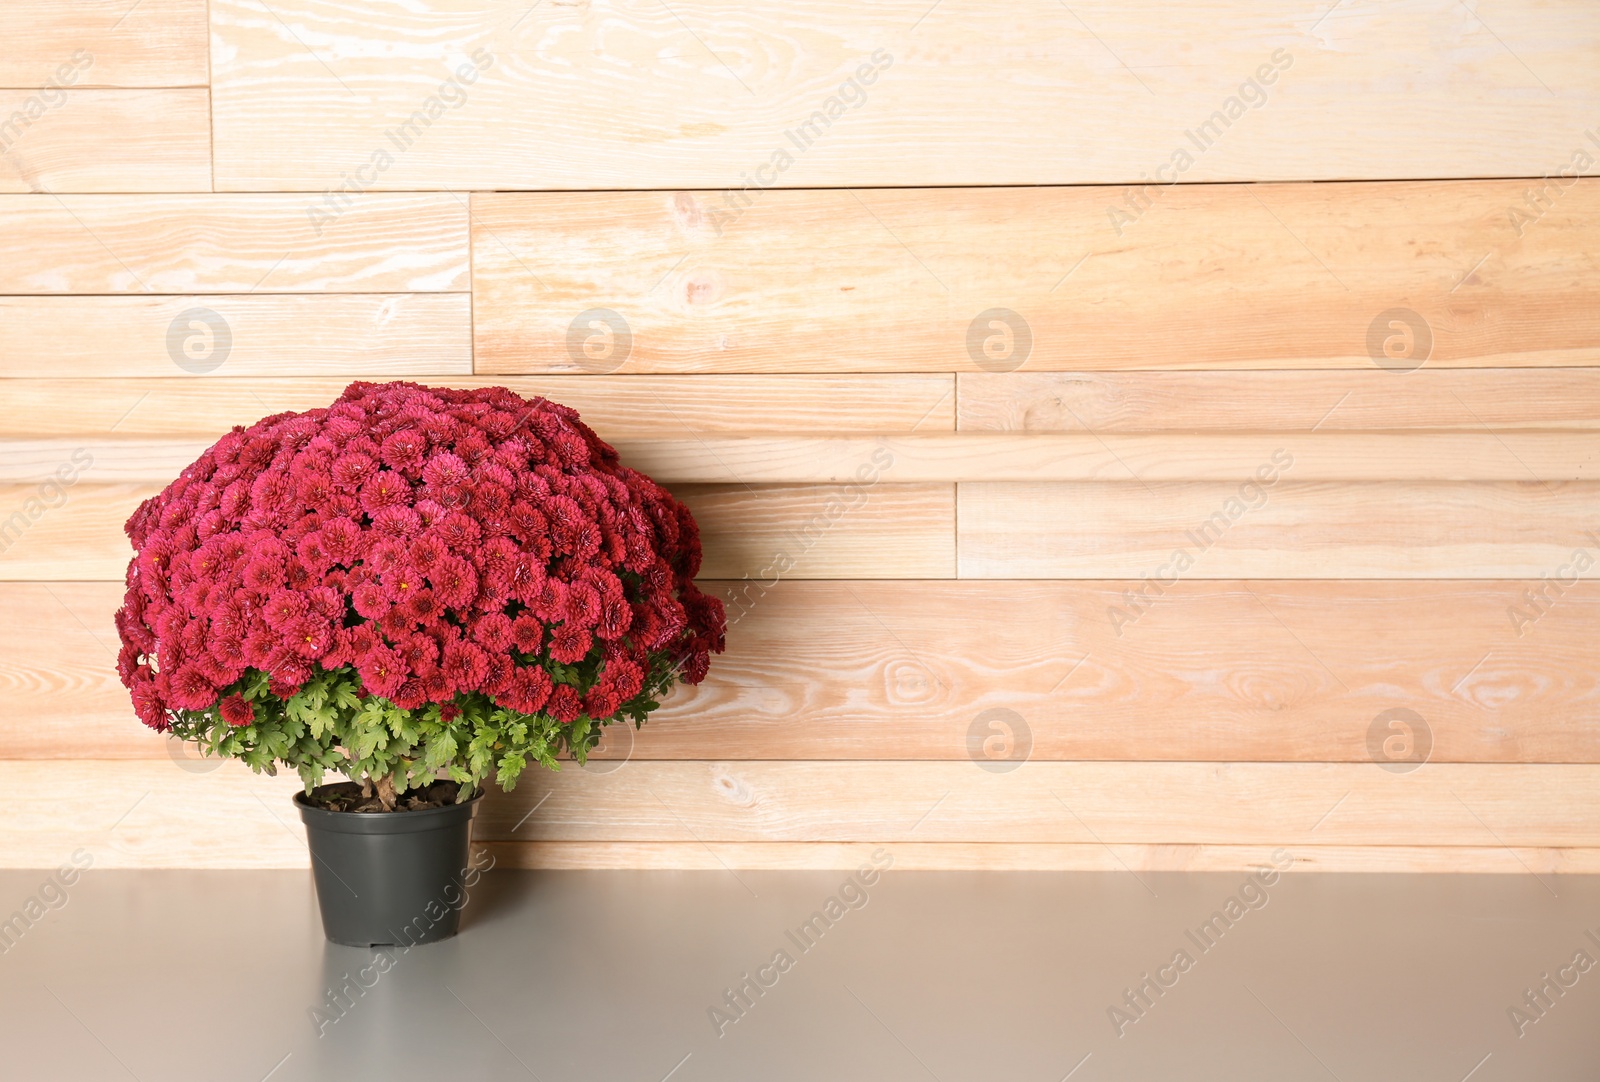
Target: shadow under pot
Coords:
[(389, 878)]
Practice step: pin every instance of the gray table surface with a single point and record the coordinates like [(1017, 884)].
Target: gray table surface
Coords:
[(172, 975)]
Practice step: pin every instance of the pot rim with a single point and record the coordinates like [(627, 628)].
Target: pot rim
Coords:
[(396, 822)]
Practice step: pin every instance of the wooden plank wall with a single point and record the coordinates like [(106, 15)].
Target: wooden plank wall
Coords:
[(1070, 513)]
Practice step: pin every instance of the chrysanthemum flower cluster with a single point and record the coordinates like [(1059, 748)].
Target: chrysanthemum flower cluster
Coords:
[(414, 582)]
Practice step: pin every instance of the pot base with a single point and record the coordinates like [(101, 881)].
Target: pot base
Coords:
[(390, 878)]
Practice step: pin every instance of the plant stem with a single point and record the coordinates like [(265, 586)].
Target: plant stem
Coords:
[(386, 793)]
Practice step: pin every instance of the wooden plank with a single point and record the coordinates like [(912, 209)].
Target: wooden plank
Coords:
[(1324, 401), (1296, 276), (1489, 456), (1034, 857), (137, 337), (58, 669), (1294, 529), (204, 243), (1222, 672), (155, 43), (1448, 456), (152, 815), (107, 141), (882, 531), (72, 533), (618, 407), (709, 94), (1283, 804), (155, 814), (1211, 671)]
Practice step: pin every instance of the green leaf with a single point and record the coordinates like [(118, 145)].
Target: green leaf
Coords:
[(329, 725)]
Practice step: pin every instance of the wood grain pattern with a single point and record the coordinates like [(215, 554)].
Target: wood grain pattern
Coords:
[(107, 141), (155, 43), (153, 815), (1489, 456), (947, 377), (1261, 670), (703, 94), (618, 407), (1294, 529), (51, 532), (58, 658), (144, 814), (1236, 671), (812, 532), (1469, 400), (1029, 856), (231, 244), (1212, 276), (123, 340), (1283, 804), (1477, 456), (886, 531)]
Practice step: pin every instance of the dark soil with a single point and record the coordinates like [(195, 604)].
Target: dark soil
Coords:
[(345, 796)]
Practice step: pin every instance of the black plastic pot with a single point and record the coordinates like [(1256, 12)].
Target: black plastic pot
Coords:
[(390, 878)]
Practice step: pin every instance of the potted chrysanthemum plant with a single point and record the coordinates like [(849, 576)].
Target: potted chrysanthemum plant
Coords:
[(420, 589)]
